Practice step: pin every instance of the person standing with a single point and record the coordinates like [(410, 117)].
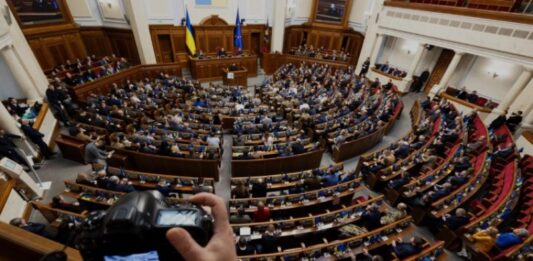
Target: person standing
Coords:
[(54, 100), (364, 67), (37, 138), (93, 153)]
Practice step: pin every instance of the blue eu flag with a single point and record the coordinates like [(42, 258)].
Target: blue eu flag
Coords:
[(237, 33)]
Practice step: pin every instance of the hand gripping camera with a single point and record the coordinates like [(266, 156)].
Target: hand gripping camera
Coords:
[(135, 227)]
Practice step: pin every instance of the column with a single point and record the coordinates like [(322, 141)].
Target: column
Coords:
[(8, 123), (449, 71), (278, 25), (136, 10), (376, 49), (527, 123), (26, 57), (515, 90), (416, 60), (18, 71)]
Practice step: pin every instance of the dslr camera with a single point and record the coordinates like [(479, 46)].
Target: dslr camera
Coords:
[(135, 227)]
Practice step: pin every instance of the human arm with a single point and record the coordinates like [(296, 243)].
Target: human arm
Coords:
[(222, 244)]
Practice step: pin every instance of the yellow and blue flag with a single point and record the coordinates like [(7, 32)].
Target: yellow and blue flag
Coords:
[(189, 34)]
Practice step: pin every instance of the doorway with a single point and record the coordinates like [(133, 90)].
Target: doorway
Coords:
[(165, 46)]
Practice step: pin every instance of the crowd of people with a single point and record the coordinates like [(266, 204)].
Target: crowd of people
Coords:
[(474, 98), (86, 70), (391, 70), (320, 53)]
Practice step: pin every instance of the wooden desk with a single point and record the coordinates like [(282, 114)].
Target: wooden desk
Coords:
[(169, 165), (238, 77), (261, 167), (105, 84), (72, 148), (19, 244), (210, 69)]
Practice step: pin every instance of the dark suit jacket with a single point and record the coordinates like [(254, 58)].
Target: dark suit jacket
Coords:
[(33, 134)]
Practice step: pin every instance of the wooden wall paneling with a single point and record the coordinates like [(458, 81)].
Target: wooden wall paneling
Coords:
[(329, 37), (123, 44), (74, 42), (440, 68), (96, 41)]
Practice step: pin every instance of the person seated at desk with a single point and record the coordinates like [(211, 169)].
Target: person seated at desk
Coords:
[(199, 54), (222, 52), (213, 141), (233, 67), (240, 190), (36, 228), (239, 51), (331, 179), (243, 248), (262, 214), (403, 250), (472, 97), (269, 240), (60, 203), (120, 185), (509, 239), (79, 133), (241, 217), (394, 214), (514, 120), (311, 182), (16, 108), (164, 187), (86, 179), (371, 217), (437, 193), (456, 221), (259, 188), (483, 240), (399, 182), (297, 148)]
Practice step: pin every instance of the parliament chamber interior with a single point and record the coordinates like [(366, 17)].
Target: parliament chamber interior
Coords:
[(266, 130)]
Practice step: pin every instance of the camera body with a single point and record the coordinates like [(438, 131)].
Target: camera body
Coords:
[(136, 226)]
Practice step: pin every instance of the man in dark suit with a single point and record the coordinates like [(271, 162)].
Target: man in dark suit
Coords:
[(403, 250), (54, 99), (14, 107), (8, 147), (233, 67), (371, 217), (456, 221), (36, 228), (259, 189), (222, 52), (37, 138), (498, 122), (514, 120), (364, 67)]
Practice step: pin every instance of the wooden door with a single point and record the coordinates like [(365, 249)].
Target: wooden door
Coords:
[(165, 45), (255, 43), (440, 68)]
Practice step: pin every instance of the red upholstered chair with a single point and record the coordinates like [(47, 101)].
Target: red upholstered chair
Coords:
[(481, 101)]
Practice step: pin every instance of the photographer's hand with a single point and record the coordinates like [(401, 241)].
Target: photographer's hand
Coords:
[(222, 244)]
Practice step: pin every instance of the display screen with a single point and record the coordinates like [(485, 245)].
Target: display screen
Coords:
[(148, 256), (175, 217)]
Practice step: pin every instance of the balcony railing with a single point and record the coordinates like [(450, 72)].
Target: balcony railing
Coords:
[(513, 6)]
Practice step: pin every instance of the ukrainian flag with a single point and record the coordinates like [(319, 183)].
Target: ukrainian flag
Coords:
[(189, 34)]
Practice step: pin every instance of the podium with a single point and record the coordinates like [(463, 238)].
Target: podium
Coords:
[(235, 78)]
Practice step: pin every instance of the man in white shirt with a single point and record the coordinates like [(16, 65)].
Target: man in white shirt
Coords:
[(213, 141)]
